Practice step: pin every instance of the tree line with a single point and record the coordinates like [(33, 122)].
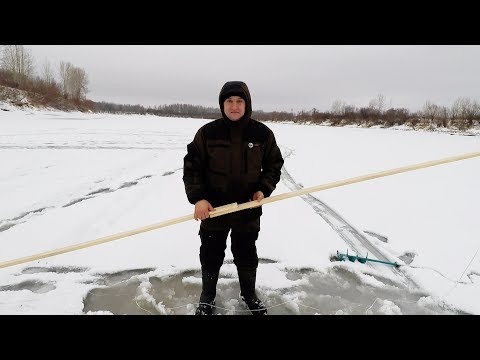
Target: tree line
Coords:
[(66, 86), (63, 87), (463, 114)]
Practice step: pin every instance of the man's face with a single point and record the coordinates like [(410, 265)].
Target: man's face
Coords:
[(234, 107)]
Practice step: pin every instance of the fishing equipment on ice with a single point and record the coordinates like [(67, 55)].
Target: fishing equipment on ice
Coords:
[(363, 260)]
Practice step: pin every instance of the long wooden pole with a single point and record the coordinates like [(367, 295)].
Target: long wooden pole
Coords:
[(349, 181), (226, 209)]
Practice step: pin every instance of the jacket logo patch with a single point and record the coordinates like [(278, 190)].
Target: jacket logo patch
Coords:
[(250, 145)]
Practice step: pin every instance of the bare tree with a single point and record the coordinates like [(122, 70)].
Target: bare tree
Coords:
[(465, 108), (47, 73), (64, 72), (78, 83), (19, 61), (430, 111), (442, 119), (338, 107), (74, 81), (455, 110), (464, 112), (377, 104)]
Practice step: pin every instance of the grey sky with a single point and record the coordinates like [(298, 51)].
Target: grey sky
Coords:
[(280, 77)]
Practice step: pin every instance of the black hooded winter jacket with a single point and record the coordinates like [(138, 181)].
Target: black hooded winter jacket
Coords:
[(228, 161)]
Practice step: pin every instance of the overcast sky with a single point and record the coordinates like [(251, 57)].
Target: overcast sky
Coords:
[(280, 77)]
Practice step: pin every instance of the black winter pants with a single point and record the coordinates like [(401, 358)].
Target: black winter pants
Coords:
[(214, 243)]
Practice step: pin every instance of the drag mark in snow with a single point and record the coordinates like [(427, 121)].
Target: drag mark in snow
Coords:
[(357, 241)]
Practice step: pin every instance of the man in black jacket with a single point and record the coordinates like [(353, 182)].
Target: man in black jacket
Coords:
[(232, 159)]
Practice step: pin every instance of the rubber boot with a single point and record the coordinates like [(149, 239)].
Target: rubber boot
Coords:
[(247, 278), (209, 291)]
